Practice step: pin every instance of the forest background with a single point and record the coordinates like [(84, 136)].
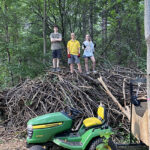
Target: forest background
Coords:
[(116, 26)]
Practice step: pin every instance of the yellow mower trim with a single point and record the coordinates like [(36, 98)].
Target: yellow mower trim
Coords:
[(92, 122), (101, 112), (108, 147), (47, 125)]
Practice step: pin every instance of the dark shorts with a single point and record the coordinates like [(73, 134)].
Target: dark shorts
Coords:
[(74, 59), (56, 53), (86, 56)]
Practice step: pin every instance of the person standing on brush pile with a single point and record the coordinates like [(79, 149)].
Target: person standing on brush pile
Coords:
[(73, 50), (88, 47), (56, 48)]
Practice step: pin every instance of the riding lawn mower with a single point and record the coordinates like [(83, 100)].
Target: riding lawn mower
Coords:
[(53, 131)]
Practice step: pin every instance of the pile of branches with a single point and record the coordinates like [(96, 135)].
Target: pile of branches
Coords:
[(58, 91)]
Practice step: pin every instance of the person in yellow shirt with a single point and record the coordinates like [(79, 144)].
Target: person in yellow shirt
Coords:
[(73, 50)]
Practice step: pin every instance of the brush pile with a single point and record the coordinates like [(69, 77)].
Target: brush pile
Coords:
[(58, 91)]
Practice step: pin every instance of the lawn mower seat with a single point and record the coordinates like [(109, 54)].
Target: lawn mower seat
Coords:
[(93, 121)]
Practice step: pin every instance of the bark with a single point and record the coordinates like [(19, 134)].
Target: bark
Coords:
[(138, 29), (147, 37), (91, 19), (84, 21), (7, 43), (15, 44), (62, 5), (118, 37), (44, 31), (118, 34), (104, 26), (62, 11), (104, 31)]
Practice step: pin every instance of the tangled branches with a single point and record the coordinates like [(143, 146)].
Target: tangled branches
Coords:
[(56, 92)]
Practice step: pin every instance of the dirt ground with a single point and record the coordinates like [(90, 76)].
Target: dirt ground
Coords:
[(16, 144), (13, 144), (20, 144)]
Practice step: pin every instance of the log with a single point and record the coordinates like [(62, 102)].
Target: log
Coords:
[(126, 111)]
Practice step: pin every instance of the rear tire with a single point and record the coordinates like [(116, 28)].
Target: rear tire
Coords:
[(98, 141), (36, 147)]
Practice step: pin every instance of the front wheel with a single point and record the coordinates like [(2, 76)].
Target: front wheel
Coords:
[(98, 144), (36, 147)]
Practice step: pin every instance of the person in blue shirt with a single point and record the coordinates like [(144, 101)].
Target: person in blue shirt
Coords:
[(88, 47)]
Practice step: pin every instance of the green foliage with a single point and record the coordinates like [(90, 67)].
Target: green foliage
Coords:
[(125, 136), (102, 147), (106, 136), (21, 32)]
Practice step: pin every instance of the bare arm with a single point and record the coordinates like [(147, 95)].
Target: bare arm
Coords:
[(83, 46), (79, 50), (60, 39), (56, 40), (68, 51)]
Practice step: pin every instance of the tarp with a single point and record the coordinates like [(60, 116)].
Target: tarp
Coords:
[(140, 122)]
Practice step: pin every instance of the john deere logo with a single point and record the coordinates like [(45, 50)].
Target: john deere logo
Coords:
[(39, 136)]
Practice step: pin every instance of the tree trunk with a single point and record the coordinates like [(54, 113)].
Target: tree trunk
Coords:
[(91, 19), (147, 37), (138, 29), (7, 43), (118, 37), (104, 31), (84, 21), (62, 5), (62, 13), (104, 26), (44, 31)]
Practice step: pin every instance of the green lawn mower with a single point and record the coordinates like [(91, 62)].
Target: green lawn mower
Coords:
[(53, 131)]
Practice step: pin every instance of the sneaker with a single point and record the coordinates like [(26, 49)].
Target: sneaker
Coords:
[(87, 72), (54, 70), (58, 69), (94, 71)]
